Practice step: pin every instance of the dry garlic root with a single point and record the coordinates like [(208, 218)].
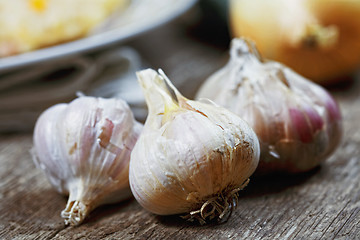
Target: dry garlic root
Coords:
[(192, 157), (84, 149), (297, 122)]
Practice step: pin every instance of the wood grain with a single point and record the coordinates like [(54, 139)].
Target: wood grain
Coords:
[(321, 204)]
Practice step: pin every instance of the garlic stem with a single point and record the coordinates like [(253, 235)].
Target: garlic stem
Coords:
[(244, 47), (157, 93)]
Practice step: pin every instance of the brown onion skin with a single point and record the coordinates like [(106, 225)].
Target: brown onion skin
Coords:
[(323, 65)]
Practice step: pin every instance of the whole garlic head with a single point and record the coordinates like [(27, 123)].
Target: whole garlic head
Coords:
[(84, 150), (297, 122), (192, 157)]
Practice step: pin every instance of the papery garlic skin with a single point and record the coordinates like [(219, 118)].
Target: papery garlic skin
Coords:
[(84, 150), (297, 122), (188, 152)]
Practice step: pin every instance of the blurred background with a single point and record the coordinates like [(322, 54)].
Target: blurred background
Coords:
[(48, 57)]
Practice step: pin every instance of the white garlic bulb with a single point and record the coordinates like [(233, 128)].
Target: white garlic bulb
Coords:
[(192, 157), (297, 122), (84, 149)]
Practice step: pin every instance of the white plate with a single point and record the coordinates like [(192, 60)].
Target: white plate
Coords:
[(139, 17)]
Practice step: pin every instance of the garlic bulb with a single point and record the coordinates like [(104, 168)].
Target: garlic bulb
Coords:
[(84, 149), (192, 157), (319, 39), (297, 122)]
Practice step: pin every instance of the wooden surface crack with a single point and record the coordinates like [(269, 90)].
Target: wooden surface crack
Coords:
[(334, 219), (53, 235)]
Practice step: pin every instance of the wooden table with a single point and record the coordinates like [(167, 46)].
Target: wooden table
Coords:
[(321, 204)]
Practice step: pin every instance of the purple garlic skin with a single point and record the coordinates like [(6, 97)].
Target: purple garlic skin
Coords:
[(298, 122), (84, 150)]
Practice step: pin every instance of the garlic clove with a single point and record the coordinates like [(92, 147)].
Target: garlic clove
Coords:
[(84, 150), (298, 123), (192, 156)]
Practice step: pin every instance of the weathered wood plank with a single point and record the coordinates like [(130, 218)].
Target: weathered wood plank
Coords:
[(321, 204)]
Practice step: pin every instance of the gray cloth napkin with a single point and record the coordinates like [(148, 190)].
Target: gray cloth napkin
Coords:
[(25, 93)]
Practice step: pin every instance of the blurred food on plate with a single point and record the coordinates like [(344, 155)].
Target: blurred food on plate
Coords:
[(26, 25)]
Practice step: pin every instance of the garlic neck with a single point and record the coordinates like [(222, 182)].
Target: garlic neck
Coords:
[(242, 48), (162, 98)]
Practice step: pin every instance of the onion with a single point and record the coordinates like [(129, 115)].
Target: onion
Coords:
[(320, 39)]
